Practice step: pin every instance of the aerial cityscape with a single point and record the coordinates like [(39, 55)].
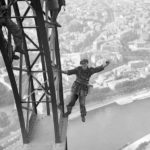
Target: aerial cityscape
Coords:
[(98, 30)]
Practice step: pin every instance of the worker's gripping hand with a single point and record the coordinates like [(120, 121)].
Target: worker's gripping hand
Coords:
[(106, 63), (55, 69)]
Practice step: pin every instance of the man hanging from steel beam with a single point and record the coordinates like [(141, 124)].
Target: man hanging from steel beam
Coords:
[(12, 27), (80, 86)]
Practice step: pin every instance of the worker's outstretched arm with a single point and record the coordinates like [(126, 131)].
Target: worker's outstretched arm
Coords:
[(70, 72), (99, 68), (64, 72)]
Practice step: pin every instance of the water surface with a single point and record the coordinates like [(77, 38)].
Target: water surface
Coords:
[(110, 127)]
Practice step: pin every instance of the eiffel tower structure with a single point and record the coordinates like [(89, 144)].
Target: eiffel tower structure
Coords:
[(35, 78)]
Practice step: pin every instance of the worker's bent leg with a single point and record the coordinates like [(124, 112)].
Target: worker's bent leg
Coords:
[(72, 102)]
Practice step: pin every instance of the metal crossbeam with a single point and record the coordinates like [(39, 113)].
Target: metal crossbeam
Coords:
[(49, 85), (14, 87), (40, 20)]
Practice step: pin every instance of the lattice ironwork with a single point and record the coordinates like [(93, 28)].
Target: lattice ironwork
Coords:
[(33, 77)]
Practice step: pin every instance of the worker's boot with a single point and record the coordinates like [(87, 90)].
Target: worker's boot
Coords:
[(69, 109), (15, 57), (12, 56), (19, 49), (83, 118)]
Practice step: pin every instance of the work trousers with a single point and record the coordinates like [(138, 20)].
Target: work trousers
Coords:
[(74, 97)]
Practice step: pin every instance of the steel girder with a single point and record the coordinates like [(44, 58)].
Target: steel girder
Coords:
[(36, 81)]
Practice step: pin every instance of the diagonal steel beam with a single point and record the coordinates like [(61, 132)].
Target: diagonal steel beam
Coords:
[(40, 20), (14, 88)]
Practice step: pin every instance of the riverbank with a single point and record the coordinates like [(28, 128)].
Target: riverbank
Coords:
[(110, 127), (144, 142), (120, 100), (141, 95)]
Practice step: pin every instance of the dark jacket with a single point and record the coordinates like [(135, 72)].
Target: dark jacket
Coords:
[(82, 78)]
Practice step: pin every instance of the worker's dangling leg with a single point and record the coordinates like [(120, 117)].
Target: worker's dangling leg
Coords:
[(69, 109), (72, 102), (83, 112)]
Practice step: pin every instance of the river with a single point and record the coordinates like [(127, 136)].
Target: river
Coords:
[(110, 127)]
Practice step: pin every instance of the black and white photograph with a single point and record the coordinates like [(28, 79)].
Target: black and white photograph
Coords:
[(74, 74)]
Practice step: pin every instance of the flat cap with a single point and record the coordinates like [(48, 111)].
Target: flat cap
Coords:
[(83, 61)]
